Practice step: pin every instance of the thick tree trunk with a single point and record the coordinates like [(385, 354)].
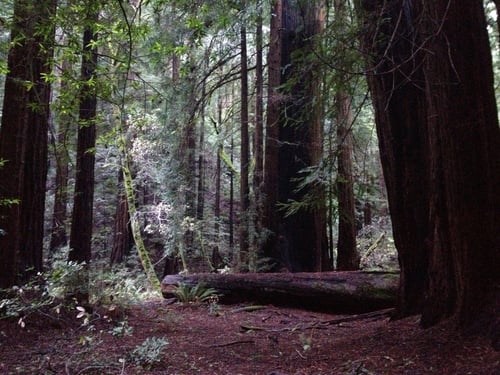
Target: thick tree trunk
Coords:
[(351, 292), (432, 84), (293, 140), (464, 140), (271, 170), (23, 140), (395, 76)]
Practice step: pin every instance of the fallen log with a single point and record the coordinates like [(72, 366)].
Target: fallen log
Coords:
[(339, 292)]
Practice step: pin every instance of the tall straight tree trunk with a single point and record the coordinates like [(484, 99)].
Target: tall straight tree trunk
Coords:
[(347, 253), (23, 140), (82, 217), (400, 113), (245, 156), (218, 173), (464, 140), (258, 149), (270, 220), (440, 154), (231, 197), (200, 206), (59, 237), (294, 132)]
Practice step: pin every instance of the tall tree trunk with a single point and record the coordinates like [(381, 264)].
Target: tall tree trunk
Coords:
[(258, 149), (200, 206), (218, 173), (82, 217), (440, 154), (294, 132), (23, 140), (59, 237), (395, 75), (231, 198), (464, 140), (270, 220), (347, 253), (244, 158)]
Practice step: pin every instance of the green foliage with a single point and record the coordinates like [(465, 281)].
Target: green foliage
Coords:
[(120, 286), (20, 302), (194, 294), (122, 329), (67, 278), (149, 352)]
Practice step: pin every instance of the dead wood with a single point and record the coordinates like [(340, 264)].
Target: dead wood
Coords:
[(339, 292)]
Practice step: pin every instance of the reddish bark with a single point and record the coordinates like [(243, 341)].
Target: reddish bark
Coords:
[(23, 140)]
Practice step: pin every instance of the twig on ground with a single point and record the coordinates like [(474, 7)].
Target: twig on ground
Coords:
[(231, 343), (322, 324), (248, 308), (371, 315)]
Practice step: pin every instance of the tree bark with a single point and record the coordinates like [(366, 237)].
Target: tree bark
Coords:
[(432, 84), (23, 140), (82, 217), (293, 140), (59, 237), (394, 76), (244, 158), (464, 140), (347, 253), (340, 292), (271, 150), (258, 150)]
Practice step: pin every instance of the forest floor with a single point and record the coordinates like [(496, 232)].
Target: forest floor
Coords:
[(158, 337)]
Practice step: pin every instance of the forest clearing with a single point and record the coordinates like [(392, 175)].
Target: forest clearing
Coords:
[(246, 339)]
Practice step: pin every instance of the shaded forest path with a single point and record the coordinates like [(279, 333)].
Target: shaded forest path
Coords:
[(236, 339)]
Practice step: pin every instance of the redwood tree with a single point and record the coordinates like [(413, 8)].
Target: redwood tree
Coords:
[(293, 139), (430, 72), (23, 139), (245, 155), (347, 253), (59, 236), (82, 217)]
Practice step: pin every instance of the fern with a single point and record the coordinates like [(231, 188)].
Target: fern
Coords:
[(193, 294)]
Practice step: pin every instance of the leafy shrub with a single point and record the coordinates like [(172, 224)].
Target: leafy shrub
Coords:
[(67, 278), (149, 351), (23, 301)]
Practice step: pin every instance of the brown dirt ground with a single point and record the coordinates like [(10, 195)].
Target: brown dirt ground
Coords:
[(217, 339)]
